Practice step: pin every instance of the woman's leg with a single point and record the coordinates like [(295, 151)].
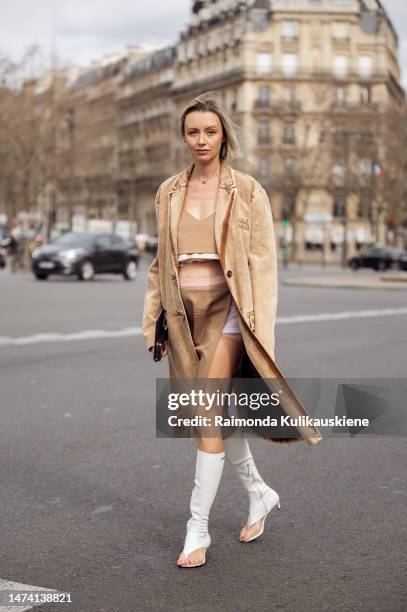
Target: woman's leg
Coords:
[(239, 456), (210, 460), (223, 365), (208, 472)]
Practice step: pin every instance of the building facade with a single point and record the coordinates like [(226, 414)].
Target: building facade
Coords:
[(308, 83), (292, 74)]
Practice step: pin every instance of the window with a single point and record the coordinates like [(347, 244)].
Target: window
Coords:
[(212, 41), (340, 95), (314, 237), (365, 167), (117, 240), (181, 53), (263, 63), (264, 95), (289, 133), (263, 134), (202, 46), (340, 137), (104, 241), (364, 207), (340, 30), (289, 94), (338, 174), (365, 65), (340, 65), (289, 165), (264, 166), (288, 207), (339, 209), (190, 49), (365, 95), (289, 63), (237, 33), (289, 29)]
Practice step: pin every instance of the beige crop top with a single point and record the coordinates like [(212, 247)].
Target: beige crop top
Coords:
[(196, 237)]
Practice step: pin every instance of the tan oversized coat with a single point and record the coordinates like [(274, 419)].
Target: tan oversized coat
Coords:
[(244, 235)]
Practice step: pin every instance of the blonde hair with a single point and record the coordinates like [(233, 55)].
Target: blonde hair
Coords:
[(209, 101)]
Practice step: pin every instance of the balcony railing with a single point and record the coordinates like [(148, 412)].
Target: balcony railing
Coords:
[(318, 74), (277, 105), (349, 107)]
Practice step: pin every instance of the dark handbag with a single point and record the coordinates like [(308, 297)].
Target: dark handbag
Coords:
[(161, 336)]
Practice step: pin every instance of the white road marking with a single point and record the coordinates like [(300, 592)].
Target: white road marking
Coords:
[(8, 585), (89, 334), (92, 334), (347, 314)]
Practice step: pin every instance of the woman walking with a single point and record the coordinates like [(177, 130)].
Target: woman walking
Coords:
[(215, 275)]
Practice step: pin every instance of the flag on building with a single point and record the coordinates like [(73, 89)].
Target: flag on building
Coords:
[(378, 171)]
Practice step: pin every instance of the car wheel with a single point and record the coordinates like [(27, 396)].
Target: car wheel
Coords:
[(86, 270), (41, 276), (131, 270), (354, 265), (381, 266)]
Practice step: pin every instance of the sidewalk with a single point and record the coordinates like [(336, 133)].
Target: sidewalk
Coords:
[(352, 280)]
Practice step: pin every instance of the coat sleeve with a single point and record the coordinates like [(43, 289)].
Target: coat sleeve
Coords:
[(263, 268), (152, 299)]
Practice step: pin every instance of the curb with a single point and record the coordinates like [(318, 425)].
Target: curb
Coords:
[(396, 278), (324, 284)]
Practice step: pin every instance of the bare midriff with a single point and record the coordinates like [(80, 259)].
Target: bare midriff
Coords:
[(198, 273)]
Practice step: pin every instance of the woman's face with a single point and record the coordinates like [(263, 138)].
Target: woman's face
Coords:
[(203, 135)]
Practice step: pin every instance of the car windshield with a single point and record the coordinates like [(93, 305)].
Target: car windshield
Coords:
[(73, 239)]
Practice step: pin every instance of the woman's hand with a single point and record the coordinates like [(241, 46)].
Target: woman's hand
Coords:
[(165, 348)]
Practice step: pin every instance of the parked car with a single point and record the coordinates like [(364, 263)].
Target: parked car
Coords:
[(140, 240), (84, 255), (403, 261), (3, 248), (3, 254), (151, 245), (378, 258), (147, 243)]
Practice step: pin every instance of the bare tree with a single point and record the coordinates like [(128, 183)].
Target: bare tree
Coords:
[(303, 166), (392, 184), (30, 125)]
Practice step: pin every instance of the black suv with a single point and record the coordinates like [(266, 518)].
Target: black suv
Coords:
[(378, 258), (84, 255)]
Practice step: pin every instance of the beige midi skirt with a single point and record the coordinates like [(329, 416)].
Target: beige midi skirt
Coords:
[(207, 309)]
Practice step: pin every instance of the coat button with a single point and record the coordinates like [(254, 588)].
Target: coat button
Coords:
[(229, 273)]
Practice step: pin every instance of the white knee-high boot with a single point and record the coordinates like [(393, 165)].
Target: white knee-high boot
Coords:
[(208, 472), (262, 498)]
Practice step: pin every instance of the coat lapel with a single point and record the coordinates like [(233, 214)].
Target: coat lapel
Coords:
[(224, 206)]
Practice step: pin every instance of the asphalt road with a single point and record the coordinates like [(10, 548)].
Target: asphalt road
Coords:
[(94, 504)]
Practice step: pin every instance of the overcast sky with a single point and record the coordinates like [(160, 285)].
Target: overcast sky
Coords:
[(83, 30)]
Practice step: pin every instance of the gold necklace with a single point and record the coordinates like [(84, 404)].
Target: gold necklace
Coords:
[(203, 181)]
